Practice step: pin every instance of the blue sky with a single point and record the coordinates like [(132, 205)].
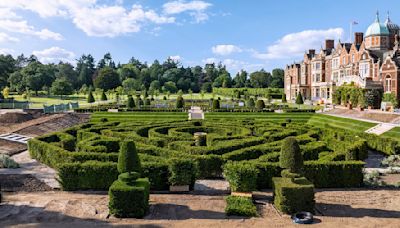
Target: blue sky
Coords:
[(242, 34)]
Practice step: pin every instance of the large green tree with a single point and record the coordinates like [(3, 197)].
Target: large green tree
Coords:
[(85, 69), (7, 66), (241, 80), (61, 86), (260, 79), (107, 79), (277, 78)]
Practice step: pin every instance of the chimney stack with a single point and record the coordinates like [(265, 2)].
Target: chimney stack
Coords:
[(329, 44), (358, 38), (311, 52)]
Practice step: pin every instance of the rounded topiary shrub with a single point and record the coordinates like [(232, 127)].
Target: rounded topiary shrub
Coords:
[(128, 159), (147, 102), (131, 103), (260, 104), (291, 157), (179, 102), (216, 104)]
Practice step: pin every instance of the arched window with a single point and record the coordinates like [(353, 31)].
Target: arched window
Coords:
[(388, 84)]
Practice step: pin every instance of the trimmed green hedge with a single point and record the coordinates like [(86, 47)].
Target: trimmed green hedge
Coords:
[(242, 177), (129, 201), (337, 174), (182, 172), (91, 175), (255, 139), (240, 206), (293, 195)]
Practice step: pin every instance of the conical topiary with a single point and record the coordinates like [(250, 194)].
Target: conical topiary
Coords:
[(103, 96), (299, 99), (90, 98), (284, 98), (291, 157), (216, 104), (131, 102), (128, 159), (180, 102), (260, 104)]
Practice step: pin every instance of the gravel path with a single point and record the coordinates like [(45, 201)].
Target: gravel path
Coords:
[(339, 208)]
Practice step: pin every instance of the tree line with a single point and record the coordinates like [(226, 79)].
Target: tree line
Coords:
[(23, 74)]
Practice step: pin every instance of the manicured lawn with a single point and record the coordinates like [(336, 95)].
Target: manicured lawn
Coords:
[(319, 120), (141, 116), (394, 133), (38, 102)]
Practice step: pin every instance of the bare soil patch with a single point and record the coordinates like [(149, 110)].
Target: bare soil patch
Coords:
[(21, 183), (45, 124), (15, 117), (11, 148), (339, 208)]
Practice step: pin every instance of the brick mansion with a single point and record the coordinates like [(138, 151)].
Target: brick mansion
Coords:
[(372, 61)]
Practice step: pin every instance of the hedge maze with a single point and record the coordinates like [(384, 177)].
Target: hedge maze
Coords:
[(86, 156)]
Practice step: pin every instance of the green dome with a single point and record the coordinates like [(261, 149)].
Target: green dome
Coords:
[(377, 28)]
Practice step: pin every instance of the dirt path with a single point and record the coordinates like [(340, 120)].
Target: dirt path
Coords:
[(351, 208)]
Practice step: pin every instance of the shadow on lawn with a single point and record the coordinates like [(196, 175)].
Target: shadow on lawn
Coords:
[(342, 210)]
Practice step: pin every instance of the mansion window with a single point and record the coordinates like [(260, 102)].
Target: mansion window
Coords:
[(303, 79), (335, 63), (352, 58), (318, 66), (344, 60), (317, 92), (328, 93), (318, 77), (364, 70), (335, 76), (388, 84)]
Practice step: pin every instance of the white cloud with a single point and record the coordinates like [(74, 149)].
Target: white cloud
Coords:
[(99, 19), (294, 45), (234, 65), (111, 21), (225, 49), (196, 9), (4, 37), (54, 55), (175, 57), (22, 27), (6, 51)]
